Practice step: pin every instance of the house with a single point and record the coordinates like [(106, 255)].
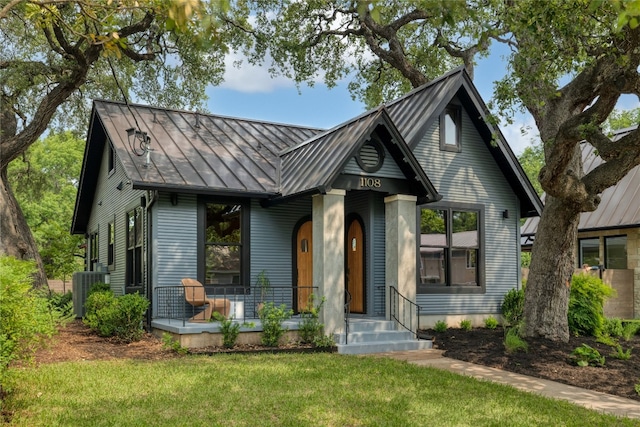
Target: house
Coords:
[(409, 211), (609, 237)]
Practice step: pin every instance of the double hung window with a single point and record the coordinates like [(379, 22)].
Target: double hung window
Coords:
[(223, 244), (134, 248)]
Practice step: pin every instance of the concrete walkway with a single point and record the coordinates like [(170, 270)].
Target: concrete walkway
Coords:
[(597, 401)]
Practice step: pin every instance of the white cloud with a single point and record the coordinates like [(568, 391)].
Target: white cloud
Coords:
[(244, 77), (521, 133)]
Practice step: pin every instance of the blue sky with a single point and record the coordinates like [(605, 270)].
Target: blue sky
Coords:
[(250, 92)]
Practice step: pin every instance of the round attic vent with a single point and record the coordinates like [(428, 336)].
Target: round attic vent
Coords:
[(371, 156)]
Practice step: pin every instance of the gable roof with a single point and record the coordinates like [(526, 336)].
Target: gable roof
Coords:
[(416, 112), (217, 155), (307, 168), (619, 204)]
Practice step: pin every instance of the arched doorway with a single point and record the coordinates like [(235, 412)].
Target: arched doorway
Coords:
[(304, 265), (355, 272)]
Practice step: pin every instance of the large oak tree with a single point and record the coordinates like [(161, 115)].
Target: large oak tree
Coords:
[(569, 64), (56, 55)]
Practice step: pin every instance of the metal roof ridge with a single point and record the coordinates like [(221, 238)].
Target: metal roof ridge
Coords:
[(208, 114)]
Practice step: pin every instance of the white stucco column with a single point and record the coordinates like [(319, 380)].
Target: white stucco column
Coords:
[(401, 249), (328, 257)]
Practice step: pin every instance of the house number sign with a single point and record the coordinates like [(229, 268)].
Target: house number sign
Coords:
[(370, 182)]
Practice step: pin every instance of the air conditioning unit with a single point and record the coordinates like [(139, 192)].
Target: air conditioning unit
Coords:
[(81, 282)]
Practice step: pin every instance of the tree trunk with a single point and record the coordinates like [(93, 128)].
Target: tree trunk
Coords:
[(15, 236), (546, 299)]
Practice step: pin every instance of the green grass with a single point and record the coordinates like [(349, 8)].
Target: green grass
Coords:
[(276, 390)]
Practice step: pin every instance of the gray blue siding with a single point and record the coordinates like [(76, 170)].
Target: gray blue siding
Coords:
[(472, 176)]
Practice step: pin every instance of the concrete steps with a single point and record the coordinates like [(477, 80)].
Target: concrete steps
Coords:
[(377, 336)]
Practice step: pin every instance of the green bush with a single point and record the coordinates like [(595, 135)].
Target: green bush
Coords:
[(98, 287), (612, 327), (513, 341), (116, 316), (630, 329), (440, 326), (465, 325), (490, 322), (621, 354), (586, 305), (586, 355), (271, 317), (311, 329), (25, 316), (513, 306)]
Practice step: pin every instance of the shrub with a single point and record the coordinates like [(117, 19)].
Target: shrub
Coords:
[(586, 305), (586, 355), (621, 354), (465, 325), (513, 306), (440, 326), (98, 287), (25, 317), (230, 329), (629, 330), (513, 342), (311, 329), (170, 343), (120, 317), (490, 322), (271, 317), (612, 327)]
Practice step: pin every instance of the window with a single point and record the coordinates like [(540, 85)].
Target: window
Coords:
[(93, 251), (449, 248), (110, 243), (111, 155), (134, 248), (223, 244), (450, 133), (615, 252), (589, 251)]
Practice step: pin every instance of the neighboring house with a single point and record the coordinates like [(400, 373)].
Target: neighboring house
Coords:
[(608, 238), (421, 195)]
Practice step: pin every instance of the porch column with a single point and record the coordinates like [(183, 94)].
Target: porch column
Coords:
[(400, 247), (328, 257)]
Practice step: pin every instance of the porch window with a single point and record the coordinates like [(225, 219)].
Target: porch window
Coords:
[(615, 252), (449, 249), (450, 129), (134, 248), (223, 244), (589, 251)]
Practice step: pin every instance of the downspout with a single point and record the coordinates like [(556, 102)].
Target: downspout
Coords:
[(151, 197)]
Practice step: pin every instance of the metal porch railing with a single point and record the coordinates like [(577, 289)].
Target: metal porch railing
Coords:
[(404, 311), (347, 311), (169, 302)]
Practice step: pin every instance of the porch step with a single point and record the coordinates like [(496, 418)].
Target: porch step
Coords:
[(377, 336)]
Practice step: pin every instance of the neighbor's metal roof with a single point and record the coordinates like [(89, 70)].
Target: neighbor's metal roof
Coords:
[(619, 205)]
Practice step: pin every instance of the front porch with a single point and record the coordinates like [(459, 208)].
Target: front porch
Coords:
[(358, 334)]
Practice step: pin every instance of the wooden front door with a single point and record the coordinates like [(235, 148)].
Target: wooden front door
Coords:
[(355, 266), (304, 264)]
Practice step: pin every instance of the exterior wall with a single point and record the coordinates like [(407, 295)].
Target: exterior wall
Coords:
[(271, 240), (472, 176), (174, 240), (111, 204)]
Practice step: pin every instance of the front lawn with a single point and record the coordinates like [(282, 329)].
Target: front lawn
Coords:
[(278, 390)]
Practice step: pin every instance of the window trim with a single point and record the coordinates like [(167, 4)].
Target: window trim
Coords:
[(481, 287), (94, 250), (456, 112), (245, 220)]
